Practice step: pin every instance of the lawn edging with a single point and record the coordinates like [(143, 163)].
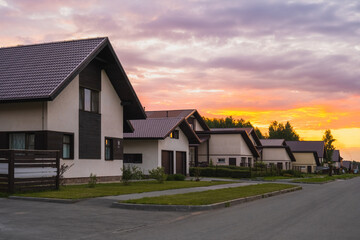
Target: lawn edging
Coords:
[(193, 208), (52, 200)]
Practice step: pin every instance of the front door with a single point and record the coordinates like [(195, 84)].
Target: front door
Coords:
[(232, 161), (309, 169), (181, 163), (167, 161)]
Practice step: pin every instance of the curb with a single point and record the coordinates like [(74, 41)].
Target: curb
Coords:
[(319, 183), (52, 200), (193, 208)]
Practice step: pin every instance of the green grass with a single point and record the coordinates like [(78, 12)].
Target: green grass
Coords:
[(274, 178), (212, 196), (110, 189), (325, 178)]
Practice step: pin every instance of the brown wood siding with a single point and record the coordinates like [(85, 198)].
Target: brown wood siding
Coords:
[(90, 77), (118, 148), (89, 135), (167, 161), (4, 140), (181, 163)]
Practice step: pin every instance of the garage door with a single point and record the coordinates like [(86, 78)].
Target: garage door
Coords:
[(181, 163), (167, 161)]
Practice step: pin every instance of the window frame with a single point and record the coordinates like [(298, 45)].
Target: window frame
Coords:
[(71, 146), (26, 140), (174, 134), (221, 160), (94, 96), (110, 145), (134, 159)]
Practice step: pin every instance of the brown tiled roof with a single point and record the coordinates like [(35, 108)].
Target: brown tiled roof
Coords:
[(336, 156), (308, 146), (272, 142), (185, 113), (160, 128), (40, 72)]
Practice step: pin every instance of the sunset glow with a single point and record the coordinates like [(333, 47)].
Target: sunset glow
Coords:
[(262, 61)]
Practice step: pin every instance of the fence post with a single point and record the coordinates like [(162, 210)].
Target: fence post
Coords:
[(57, 170), (11, 171)]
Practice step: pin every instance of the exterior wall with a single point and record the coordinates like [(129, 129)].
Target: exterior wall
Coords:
[(28, 116), (227, 146), (198, 126), (63, 115), (171, 144), (276, 155), (149, 151), (303, 160)]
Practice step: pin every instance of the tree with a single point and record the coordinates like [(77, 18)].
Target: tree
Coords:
[(281, 131), (329, 148)]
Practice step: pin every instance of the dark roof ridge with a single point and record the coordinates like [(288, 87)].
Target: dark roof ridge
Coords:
[(54, 42)]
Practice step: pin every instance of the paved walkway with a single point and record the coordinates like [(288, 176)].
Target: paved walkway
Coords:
[(176, 191)]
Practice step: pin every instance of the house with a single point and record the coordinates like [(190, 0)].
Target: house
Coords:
[(196, 122), (71, 96), (276, 152), (337, 159), (160, 141), (228, 146), (308, 155), (347, 165)]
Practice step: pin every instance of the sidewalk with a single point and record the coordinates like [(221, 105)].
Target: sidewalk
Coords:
[(176, 191)]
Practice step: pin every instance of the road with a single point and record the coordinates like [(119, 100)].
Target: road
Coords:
[(329, 211)]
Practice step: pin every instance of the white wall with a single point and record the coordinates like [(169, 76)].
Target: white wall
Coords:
[(149, 151), (63, 115), (27, 116), (276, 155), (198, 126), (171, 144)]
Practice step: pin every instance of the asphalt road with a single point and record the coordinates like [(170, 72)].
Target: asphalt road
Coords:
[(330, 211)]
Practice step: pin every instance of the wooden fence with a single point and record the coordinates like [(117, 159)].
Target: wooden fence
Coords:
[(29, 170)]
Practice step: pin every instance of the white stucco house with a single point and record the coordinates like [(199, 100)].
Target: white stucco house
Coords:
[(276, 152), (160, 141), (71, 96), (228, 146), (337, 159), (308, 155)]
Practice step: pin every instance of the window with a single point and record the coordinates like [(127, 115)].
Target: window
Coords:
[(133, 158), (89, 100), (221, 160), (108, 149), (67, 145), (243, 160), (22, 141), (249, 161), (174, 134)]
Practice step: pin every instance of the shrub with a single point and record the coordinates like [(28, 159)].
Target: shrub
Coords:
[(175, 177), (92, 180), (220, 172), (158, 174), (62, 170), (131, 173)]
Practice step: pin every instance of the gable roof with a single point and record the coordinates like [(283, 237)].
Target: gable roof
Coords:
[(308, 146), (347, 164), (272, 142), (240, 131), (249, 130), (40, 72), (336, 156), (185, 113), (277, 143), (160, 128)]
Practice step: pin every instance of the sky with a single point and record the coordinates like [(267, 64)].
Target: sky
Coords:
[(281, 60)]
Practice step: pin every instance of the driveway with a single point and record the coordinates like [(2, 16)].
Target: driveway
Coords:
[(329, 211)]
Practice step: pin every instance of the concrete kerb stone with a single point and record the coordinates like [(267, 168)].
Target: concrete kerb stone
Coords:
[(195, 208), (52, 200)]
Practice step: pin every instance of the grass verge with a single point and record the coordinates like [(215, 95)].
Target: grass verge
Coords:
[(212, 196), (325, 179), (111, 189), (274, 178)]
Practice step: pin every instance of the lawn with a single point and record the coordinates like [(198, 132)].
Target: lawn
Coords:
[(111, 189), (274, 178), (324, 179), (212, 196)]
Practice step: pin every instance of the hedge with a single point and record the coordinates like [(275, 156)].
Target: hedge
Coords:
[(220, 172)]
